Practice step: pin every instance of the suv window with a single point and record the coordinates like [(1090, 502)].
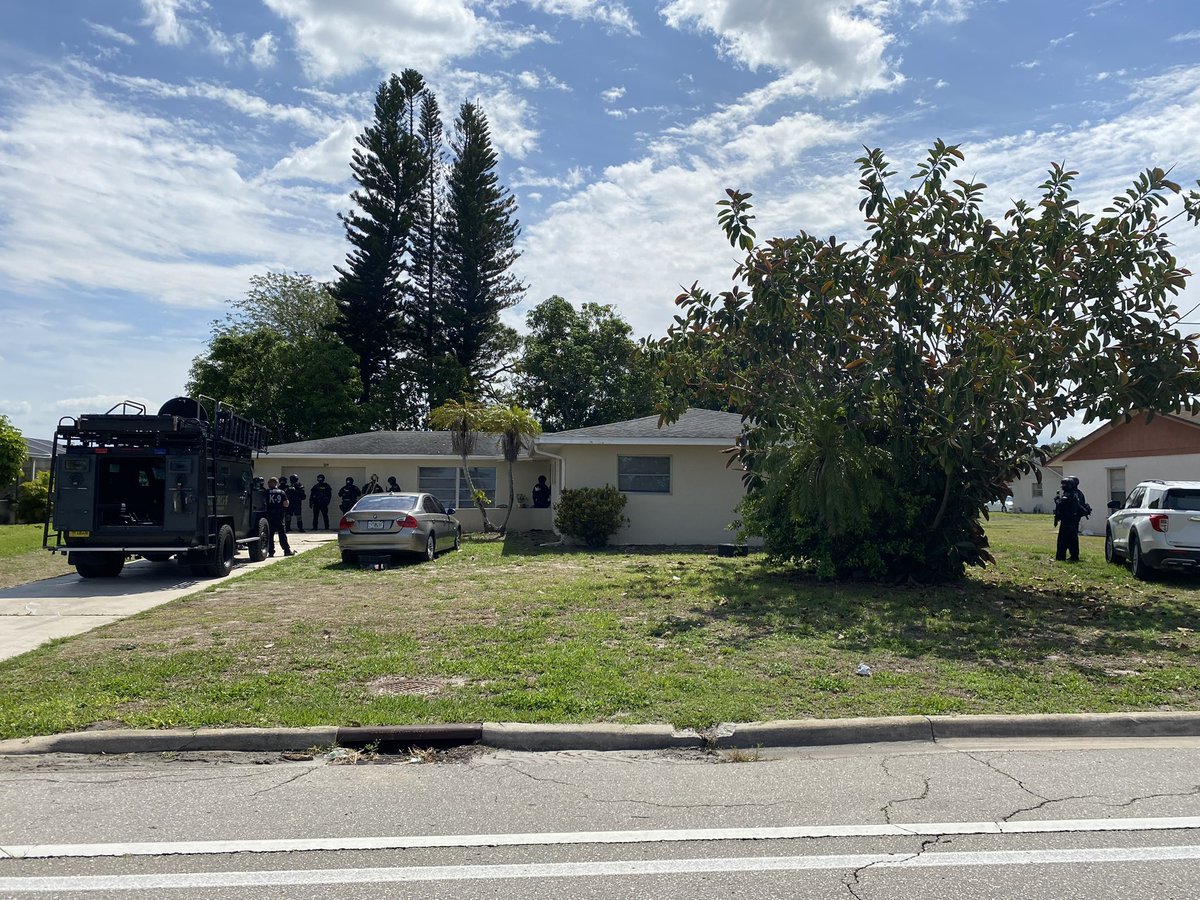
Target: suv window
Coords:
[(1154, 499), (1182, 498), (1135, 499)]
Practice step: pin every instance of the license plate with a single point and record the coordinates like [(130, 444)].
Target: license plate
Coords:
[(376, 526), (72, 534)]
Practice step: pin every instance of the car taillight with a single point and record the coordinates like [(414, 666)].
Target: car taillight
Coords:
[(406, 522), (345, 524), (1160, 522)]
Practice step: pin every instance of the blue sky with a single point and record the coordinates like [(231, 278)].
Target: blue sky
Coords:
[(154, 154)]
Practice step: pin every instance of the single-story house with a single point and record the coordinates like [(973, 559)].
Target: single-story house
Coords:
[(1111, 460), (678, 486), (37, 460)]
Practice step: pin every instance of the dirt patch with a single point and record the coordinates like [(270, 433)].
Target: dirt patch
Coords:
[(405, 686)]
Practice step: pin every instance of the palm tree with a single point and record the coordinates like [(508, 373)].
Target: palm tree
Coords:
[(513, 424), (464, 421)]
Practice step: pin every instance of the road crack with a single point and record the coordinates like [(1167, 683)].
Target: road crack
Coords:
[(854, 880)]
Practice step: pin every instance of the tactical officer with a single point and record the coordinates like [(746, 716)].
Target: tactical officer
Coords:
[(373, 486), (1069, 507), (541, 494), (276, 502), (393, 485), (296, 496), (318, 499), (348, 493)]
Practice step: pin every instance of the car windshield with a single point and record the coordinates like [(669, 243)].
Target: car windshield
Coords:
[(387, 501), (1181, 498)]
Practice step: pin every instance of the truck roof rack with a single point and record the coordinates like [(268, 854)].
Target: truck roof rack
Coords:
[(233, 434)]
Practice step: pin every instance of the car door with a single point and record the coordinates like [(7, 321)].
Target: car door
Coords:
[(435, 517), (1124, 519)]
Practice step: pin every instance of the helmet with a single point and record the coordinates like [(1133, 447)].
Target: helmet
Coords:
[(293, 478), (349, 480), (320, 478)]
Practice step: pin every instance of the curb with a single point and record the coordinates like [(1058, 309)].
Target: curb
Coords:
[(599, 737)]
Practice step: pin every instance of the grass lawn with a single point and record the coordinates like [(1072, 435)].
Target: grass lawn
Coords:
[(505, 630), (22, 558)]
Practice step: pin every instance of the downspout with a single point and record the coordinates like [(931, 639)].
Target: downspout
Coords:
[(562, 477)]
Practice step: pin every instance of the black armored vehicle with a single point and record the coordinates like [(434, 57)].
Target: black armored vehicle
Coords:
[(177, 484)]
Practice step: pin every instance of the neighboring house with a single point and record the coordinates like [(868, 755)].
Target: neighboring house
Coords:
[(678, 487), (1111, 460)]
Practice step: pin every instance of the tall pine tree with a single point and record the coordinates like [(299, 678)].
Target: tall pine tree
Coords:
[(479, 232), (387, 164)]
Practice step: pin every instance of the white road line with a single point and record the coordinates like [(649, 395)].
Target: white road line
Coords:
[(201, 880), (418, 842)]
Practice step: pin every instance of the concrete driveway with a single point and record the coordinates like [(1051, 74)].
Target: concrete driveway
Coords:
[(32, 614)]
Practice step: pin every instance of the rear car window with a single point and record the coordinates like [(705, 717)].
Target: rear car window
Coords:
[(392, 501), (1182, 498)]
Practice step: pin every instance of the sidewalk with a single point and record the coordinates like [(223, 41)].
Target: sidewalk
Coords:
[(41, 611)]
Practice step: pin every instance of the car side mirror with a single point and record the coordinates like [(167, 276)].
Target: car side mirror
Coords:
[(449, 510), (1114, 504)]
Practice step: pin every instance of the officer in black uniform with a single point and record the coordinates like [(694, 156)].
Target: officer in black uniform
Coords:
[(296, 496), (318, 499), (348, 493), (393, 485), (1069, 507), (541, 494), (276, 503)]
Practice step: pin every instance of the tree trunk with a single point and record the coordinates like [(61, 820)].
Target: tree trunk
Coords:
[(488, 527), (511, 498)]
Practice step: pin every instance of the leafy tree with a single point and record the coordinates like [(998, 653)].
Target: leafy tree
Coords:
[(13, 452), (31, 503), (892, 388), (388, 166), (513, 424), (581, 367), (464, 420), (275, 360), (479, 232)]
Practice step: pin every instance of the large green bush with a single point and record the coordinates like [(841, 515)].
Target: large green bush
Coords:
[(591, 515), (31, 502)]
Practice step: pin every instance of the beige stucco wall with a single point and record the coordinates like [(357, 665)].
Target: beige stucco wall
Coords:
[(699, 508), (525, 474), (1093, 481)]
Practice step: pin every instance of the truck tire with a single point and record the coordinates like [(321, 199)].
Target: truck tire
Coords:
[(258, 549), (100, 565), (221, 563)]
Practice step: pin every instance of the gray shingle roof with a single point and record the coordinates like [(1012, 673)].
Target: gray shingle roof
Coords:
[(695, 424), (388, 443), (38, 448)]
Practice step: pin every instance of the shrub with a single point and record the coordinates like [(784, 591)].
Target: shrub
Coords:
[(591, 515), (31, 501)]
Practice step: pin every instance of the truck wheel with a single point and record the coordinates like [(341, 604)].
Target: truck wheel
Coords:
[(258, 550), (1141, 571), (221, 564), (106, 565)]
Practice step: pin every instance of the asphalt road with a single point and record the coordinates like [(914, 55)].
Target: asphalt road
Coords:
[(32, 614), (1030, 819)]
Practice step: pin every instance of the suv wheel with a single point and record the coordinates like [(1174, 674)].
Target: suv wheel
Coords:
[(1137, 562), (1110, 551)]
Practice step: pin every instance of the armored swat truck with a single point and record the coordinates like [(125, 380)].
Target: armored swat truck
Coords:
[(177, 484)]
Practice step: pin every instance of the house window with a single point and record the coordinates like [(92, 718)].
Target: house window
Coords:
[(449, 485), (1035, 489), (1116, 485), (644, 474)]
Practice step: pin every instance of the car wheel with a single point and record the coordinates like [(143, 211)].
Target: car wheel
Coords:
[(457, 538), (348, 558), (1110, 550), (221, 563), (1137, 562), (258, 550), (431, 547)]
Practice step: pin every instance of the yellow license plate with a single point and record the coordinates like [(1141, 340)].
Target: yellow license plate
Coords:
[(72, 534)]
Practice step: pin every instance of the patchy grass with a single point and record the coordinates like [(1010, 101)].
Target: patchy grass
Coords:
[(513, 631), (22, 558)]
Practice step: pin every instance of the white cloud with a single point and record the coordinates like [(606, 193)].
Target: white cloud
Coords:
[(326, 161), (612, 95), (613, 14), (525, 178), (262, 51), (111, 33), (829, 47), (346, 37), (949, 12), (163, 17), (1185, 36)]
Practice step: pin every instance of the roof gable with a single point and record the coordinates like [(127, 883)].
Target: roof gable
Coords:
[(1164, 435)]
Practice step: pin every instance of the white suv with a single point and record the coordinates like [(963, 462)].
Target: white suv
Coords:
[(1157, 527)]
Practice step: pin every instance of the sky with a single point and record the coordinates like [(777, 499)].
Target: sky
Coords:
[(155, 154)]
